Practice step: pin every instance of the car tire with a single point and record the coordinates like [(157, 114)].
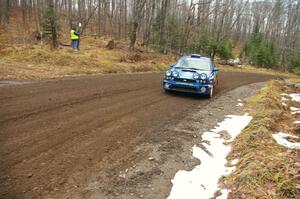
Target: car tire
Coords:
[(167, 91), (211, 92)]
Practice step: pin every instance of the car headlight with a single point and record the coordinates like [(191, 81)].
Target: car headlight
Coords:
[(196, 76), (175, 74), (203, 76), (168, 73)]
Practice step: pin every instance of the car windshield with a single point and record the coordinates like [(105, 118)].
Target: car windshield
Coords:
[(198, 64)]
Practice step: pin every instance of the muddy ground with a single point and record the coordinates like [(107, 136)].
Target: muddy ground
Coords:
[(108, 136)]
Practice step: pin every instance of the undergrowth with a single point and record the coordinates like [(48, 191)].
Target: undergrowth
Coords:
[(38, 61), (265, 169)]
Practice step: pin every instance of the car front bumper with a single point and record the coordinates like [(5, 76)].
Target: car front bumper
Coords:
[(198, 88)]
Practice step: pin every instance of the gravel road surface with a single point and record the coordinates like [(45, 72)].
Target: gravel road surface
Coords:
[(55, 135)]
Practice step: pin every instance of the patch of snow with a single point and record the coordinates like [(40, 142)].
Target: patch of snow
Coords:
[(240, 104), (295, 97), (234, 162), (297, 122), (224, 195), (281, 138), (295, 110), (284, 94), (203, 179), (239, 100), (235, 61), (233, 124), (229, 170), (284, 99)]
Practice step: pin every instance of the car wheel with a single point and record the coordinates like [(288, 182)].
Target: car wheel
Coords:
[(211, 92), (166, 91)]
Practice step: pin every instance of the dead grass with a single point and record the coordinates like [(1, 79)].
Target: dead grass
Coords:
[(37, 61), (265, 169), (253, 69)]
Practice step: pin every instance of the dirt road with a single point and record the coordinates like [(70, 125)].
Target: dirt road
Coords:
[(55, 134)]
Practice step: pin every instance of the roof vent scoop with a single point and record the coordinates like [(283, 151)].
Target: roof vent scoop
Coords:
[(195, 56)]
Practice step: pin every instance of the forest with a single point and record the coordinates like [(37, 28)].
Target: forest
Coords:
[(264, 33)]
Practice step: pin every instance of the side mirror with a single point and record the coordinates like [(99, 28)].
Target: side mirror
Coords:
[(172, 65), (216, 69)]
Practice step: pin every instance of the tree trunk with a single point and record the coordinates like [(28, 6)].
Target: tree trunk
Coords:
[(125, 20), (138, 6), (120, 19), (147, 36), (99, 17), (38, 16), (24, 12), (5, 5), (52, 24), (163, 15), (133, 35), (70, 12), (187, 28)]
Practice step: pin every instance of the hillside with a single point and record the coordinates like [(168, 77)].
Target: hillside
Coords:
[(38, 61), (149, 35)]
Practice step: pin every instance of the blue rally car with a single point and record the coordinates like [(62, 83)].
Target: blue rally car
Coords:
[(192, 74)]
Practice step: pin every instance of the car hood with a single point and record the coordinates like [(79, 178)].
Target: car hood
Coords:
[(188, 73)]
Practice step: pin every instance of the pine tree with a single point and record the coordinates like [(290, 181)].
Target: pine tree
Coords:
[(259, 52), (224, 50), (294, 63)]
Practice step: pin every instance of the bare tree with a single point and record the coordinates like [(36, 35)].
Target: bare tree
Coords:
[(138, 7), (162, 28), (5, 13), (199, 23)]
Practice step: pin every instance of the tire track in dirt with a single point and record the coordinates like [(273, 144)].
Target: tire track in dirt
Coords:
[(76, 130)]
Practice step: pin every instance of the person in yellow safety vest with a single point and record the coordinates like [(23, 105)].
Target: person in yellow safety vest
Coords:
[(74, 37)]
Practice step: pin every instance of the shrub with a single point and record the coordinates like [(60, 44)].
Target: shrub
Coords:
[(224, 50), (294, 63)]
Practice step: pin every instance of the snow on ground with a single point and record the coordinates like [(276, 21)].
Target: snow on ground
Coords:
[(295, 110), (295, 97), (224, 194), (202, 181), (240, 103), (234, 162), (281, 138)]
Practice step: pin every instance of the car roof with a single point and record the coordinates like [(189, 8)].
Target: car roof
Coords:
[(196, 56)]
